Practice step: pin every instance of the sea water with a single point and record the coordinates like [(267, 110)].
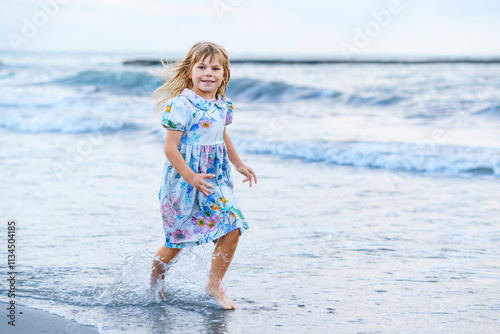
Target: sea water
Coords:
[(376, 208)]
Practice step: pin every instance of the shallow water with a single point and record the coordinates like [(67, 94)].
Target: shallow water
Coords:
[(329, 248), (376, 208)]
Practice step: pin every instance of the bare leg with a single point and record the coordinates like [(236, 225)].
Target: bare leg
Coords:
[(165, 256), (221, 259)]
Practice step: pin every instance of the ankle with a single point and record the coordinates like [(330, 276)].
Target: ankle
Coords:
[(214, 284)]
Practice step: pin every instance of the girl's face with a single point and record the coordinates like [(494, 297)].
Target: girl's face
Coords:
[(207, 77)]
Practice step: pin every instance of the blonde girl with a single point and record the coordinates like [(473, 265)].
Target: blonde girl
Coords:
[(196, 193)]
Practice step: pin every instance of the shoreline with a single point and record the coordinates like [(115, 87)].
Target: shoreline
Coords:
[(30, 320)]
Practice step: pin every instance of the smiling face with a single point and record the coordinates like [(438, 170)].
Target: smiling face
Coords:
[(207, 75)]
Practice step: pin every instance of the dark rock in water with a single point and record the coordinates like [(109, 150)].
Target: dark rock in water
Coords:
[(142, 62), (149, 62), (481, 171)]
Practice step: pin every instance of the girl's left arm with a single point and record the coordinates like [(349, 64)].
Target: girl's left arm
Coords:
[(236, 161)]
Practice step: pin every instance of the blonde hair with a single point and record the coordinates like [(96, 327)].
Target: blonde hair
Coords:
[(179, 80)]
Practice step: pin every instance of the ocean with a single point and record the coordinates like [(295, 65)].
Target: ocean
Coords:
[(376, 208)]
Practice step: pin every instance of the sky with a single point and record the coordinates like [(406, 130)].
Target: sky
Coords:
[(293, 28)]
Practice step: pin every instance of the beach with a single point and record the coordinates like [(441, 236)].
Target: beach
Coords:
[(375, 209), (36, 321)]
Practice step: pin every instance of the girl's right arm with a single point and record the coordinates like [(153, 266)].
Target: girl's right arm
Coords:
[(197, 180)]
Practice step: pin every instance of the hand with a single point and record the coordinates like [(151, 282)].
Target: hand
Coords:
[(198, 181), (248, 172)]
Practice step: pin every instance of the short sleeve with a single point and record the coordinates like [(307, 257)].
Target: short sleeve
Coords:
[(229, 113), (175, 115)]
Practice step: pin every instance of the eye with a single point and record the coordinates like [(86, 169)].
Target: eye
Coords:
[(201, 67)]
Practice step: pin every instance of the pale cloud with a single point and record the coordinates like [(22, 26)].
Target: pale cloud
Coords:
[(156, 8), (261, 27)]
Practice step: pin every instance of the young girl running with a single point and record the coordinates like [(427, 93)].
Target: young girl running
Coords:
[(196, 194)]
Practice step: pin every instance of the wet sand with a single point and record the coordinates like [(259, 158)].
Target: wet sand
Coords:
[(31, 321)]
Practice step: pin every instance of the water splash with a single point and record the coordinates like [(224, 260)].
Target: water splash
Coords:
[(183, 285)]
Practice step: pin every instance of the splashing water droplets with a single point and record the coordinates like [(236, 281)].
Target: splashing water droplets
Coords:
[(183, 284)]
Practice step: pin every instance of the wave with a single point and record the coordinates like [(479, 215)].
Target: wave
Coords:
[(239, 89), (379, 100), (245, 89), (275, 91), (120, 81), (255, 90), (492, 110), (406, 157), (62, 124)]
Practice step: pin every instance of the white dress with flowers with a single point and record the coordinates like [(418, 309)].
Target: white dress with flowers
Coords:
[(189, 217)]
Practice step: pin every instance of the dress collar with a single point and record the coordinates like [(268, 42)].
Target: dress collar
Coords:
[(200, 102)]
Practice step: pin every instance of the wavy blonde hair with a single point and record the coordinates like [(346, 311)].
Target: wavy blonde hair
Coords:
[(179, 78)]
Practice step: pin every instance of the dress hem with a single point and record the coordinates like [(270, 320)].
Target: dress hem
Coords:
[(202, 241)]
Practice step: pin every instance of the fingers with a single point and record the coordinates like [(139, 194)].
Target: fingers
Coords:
[(204, 185), (249, 173), (253, 174), (208, 176), (204, 190), (208, 185), (249, 178)]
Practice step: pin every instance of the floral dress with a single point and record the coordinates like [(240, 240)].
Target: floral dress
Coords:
[(189, 217)]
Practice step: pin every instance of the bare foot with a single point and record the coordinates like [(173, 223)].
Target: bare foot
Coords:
[(152, 289), (218, 293)]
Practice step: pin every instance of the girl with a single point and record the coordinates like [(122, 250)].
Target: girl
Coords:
[(196, 194)]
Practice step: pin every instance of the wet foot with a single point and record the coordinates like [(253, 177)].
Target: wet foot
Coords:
[(152, 291), (218, 293)]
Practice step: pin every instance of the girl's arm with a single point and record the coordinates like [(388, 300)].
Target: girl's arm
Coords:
[(197, 180), (236, 161), (231, 151)]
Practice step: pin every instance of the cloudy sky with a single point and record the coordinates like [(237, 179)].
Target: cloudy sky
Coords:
[(255, 27)]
